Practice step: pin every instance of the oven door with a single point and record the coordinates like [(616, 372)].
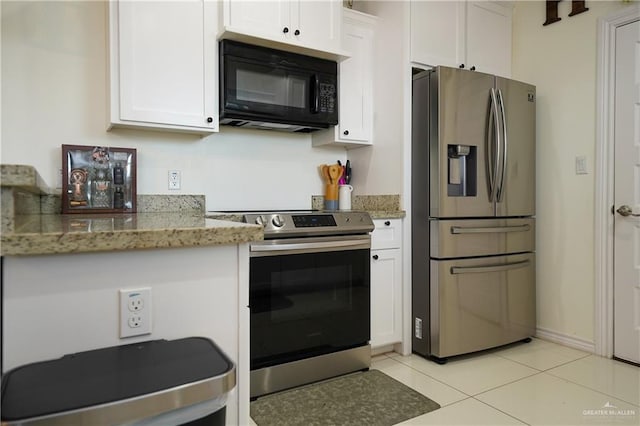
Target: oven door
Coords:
[(308, 297)]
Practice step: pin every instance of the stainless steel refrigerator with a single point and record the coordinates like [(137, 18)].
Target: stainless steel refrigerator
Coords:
[(472, 211)]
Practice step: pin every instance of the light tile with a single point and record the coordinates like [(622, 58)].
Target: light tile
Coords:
[(540, 354), (427, 386), (604, 375), (548, 400), (466, 412), (471, 374)]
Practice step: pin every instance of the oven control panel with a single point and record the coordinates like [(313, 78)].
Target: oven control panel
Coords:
[(312, 220), (291, 224)]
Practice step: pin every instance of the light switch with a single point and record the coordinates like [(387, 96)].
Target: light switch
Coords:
[(581, 165)]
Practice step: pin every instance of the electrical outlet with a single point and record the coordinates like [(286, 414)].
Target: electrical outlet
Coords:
[(174, 179), (135, 312)]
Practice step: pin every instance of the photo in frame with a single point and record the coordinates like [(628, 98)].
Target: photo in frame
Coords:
[(98, 179)]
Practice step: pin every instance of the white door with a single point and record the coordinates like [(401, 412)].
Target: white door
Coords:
[(627, 193)]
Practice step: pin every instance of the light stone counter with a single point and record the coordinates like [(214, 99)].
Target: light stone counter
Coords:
[(31, 227), (49, 234)]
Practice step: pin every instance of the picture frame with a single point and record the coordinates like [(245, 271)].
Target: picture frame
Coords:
[(98, 179)]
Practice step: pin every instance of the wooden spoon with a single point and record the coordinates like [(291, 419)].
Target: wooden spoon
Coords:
[(335, 172), (325, 173)]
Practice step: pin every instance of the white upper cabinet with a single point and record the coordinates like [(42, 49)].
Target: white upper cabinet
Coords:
[(163, 65), (488, 40), (437, 32), (355, 95), (476, 34), (306, 26)]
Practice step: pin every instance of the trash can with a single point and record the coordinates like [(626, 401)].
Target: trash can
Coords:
[(158, 382)]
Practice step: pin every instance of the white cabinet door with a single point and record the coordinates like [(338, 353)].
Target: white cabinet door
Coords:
[(355, 96), (476, 34), (437, 32), (267, 19), (313, 24), (488, 37), (356, 106), (317, 23), (386, 295), (163, 65)]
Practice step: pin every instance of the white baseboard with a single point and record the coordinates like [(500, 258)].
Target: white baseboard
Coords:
[(566, 340)]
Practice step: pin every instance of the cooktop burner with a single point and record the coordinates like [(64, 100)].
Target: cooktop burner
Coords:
[(302, 223)]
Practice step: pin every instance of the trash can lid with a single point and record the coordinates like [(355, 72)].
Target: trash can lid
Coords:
[(138, 380)]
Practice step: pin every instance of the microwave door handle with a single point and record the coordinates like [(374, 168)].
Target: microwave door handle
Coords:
[(315, 94)]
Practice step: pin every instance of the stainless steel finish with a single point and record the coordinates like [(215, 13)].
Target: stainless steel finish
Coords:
[(131, 410), (626, 211), (473, 246), (505, 144), (483, 309), (281, 224), (481, 237), (488, 230), (493, 144), (519, 189), (284, 376), (457, 116), (491, 268), (309, 245)]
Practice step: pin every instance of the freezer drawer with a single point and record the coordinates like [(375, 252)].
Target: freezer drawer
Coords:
[(481, 303), (481, 237)]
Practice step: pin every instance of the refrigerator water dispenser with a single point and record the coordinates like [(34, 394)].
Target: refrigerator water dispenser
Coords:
[(462, 171)]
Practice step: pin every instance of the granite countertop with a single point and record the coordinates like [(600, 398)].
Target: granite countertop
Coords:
[(30, 225), (50, 234)]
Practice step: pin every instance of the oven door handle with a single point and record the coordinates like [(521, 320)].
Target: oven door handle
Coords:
[(312, 246)]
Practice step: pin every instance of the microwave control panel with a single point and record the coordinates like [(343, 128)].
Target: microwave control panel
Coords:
[(327, 97)]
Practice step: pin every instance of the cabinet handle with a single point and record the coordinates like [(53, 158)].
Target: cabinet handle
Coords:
[(387, 223), (473, 68), (346, 132), (461, 66), (209, 120), (285, 30), (375, 257), (296, 32)]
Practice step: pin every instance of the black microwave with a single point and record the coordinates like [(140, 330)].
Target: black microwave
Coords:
[(272, 89)]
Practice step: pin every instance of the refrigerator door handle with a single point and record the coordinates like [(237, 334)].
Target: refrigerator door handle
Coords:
[(493, 144), (503, 166), (489, 230), (490, 268)]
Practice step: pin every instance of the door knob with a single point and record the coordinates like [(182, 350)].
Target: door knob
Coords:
[(626, 211)]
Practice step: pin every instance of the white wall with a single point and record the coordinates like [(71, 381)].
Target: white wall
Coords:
[(61, 304), (560, 59), (54, 92)]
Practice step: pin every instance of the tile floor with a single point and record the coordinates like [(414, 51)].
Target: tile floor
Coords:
[(537, 383)]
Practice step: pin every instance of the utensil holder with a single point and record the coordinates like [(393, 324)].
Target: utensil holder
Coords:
[(331, 196)]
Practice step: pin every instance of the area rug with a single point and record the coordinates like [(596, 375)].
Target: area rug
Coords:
[(363, 398)]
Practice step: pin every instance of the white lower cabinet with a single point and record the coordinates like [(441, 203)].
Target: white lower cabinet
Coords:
[(386, 283)]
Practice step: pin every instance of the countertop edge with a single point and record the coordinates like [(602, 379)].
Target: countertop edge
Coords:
[(214, 233)]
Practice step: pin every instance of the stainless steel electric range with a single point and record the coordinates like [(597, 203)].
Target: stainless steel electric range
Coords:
[(309, 297)]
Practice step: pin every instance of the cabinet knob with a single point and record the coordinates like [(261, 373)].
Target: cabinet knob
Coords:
[(285, 30), (473, 68), (375, 257), (387, 223), (461, 66), (296, 32), (209, 120), (346, 132)]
